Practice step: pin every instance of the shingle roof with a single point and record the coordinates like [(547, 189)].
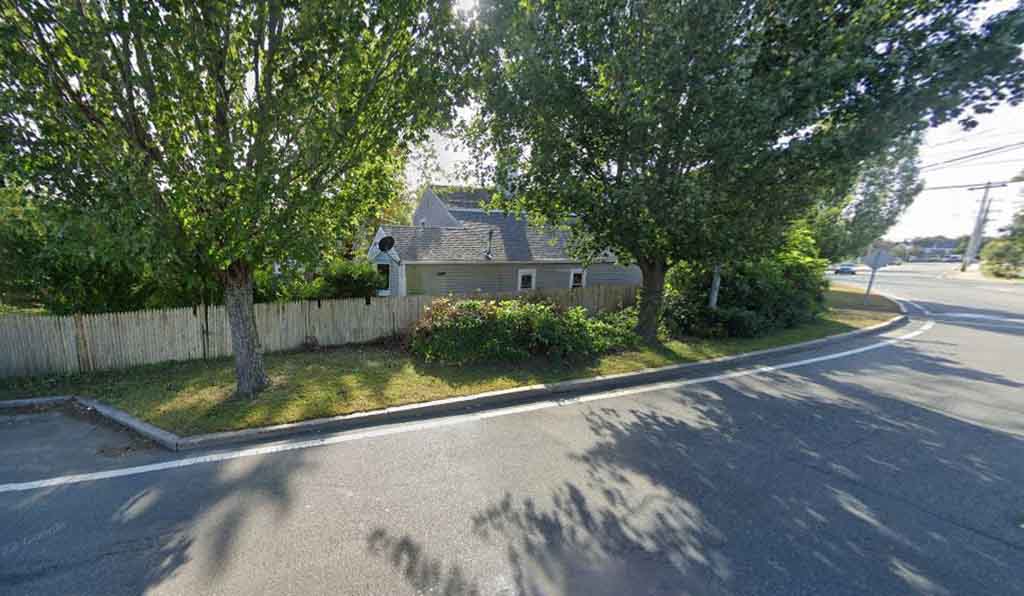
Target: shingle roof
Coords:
[(513, 240), (465, 198)]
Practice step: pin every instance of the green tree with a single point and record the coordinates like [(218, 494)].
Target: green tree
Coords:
[(40, 263), (886, 185), (223, 136), (52, 257), (699, 131), (1003, 257), (1015, 230)]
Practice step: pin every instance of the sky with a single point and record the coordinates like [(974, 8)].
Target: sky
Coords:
[(952, 212)]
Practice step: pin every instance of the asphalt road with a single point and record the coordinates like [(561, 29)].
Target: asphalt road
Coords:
[(891, 470)]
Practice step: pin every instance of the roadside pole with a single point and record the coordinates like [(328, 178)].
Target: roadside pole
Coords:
[(979, 224), (871, 282), (876, 259)]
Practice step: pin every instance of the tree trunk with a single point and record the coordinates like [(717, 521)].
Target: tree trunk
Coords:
[(716, 283), (245, 340), (650, 299)]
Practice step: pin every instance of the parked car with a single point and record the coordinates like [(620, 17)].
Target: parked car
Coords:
[(953, 258), (845, 269)]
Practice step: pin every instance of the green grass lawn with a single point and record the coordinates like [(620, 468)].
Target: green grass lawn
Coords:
[(988, 274), (195, 397), (12, 309)]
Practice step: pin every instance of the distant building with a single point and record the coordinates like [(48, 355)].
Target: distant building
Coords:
[(940, 248), (455, 246)]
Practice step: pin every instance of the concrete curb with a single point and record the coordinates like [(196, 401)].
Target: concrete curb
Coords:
[(432, 409), (159, 436), (35, 402)]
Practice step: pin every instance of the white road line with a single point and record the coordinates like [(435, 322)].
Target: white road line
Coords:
[(970, 315), (988, 325), (441, 422), (910, 302)]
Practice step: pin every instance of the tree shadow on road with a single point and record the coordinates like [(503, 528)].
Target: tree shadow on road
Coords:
[(944, 308), (131, 536), (783, 483), (424, 573)]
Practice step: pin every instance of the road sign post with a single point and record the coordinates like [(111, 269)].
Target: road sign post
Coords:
[(876, 259)]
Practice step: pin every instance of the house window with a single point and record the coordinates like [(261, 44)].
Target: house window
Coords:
[(527, 279), (385, 273), (577, 278)]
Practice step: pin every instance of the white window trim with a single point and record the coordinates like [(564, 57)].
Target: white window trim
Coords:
[(573, 272), (519, 279)]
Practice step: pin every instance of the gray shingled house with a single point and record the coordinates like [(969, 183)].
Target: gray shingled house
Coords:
[(456, 247)]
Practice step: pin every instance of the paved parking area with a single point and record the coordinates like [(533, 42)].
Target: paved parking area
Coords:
[(38, 444)]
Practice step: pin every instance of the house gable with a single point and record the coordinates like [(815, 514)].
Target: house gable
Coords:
[(431, 212), (449, 227), (376, 255)]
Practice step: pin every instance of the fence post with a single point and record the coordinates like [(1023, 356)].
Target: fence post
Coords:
[(394, 319), (82, 345), (204, 331)]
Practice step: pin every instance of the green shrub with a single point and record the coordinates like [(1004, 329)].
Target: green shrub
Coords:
[(741, 322), (350, 279), (467, 331), (339, 278), (756, 296), (615, 330), (286, 286), (1003, 258), (682, 317)]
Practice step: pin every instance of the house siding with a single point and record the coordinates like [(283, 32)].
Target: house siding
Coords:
[(468, 278), (607, 274), (460, 278)]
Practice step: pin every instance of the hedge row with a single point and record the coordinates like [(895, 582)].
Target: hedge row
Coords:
[(468, 331)]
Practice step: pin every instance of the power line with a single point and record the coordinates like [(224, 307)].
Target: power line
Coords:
[(1002, 132), (967, 136), (976, 165), (999, 149), (952, 186)]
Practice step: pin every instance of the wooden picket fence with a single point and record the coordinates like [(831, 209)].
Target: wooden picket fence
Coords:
[(43, 345)]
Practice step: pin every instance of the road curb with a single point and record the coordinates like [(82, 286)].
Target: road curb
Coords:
[(35, 402), (158, 435), (432, 409)]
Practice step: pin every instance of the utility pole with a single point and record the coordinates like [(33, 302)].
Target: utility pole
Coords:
[(979, 223)]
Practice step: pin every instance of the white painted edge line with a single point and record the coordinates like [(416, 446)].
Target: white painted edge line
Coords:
[(983, 317), (973, 318), (901, 301), (437, 423), (971, 323)]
